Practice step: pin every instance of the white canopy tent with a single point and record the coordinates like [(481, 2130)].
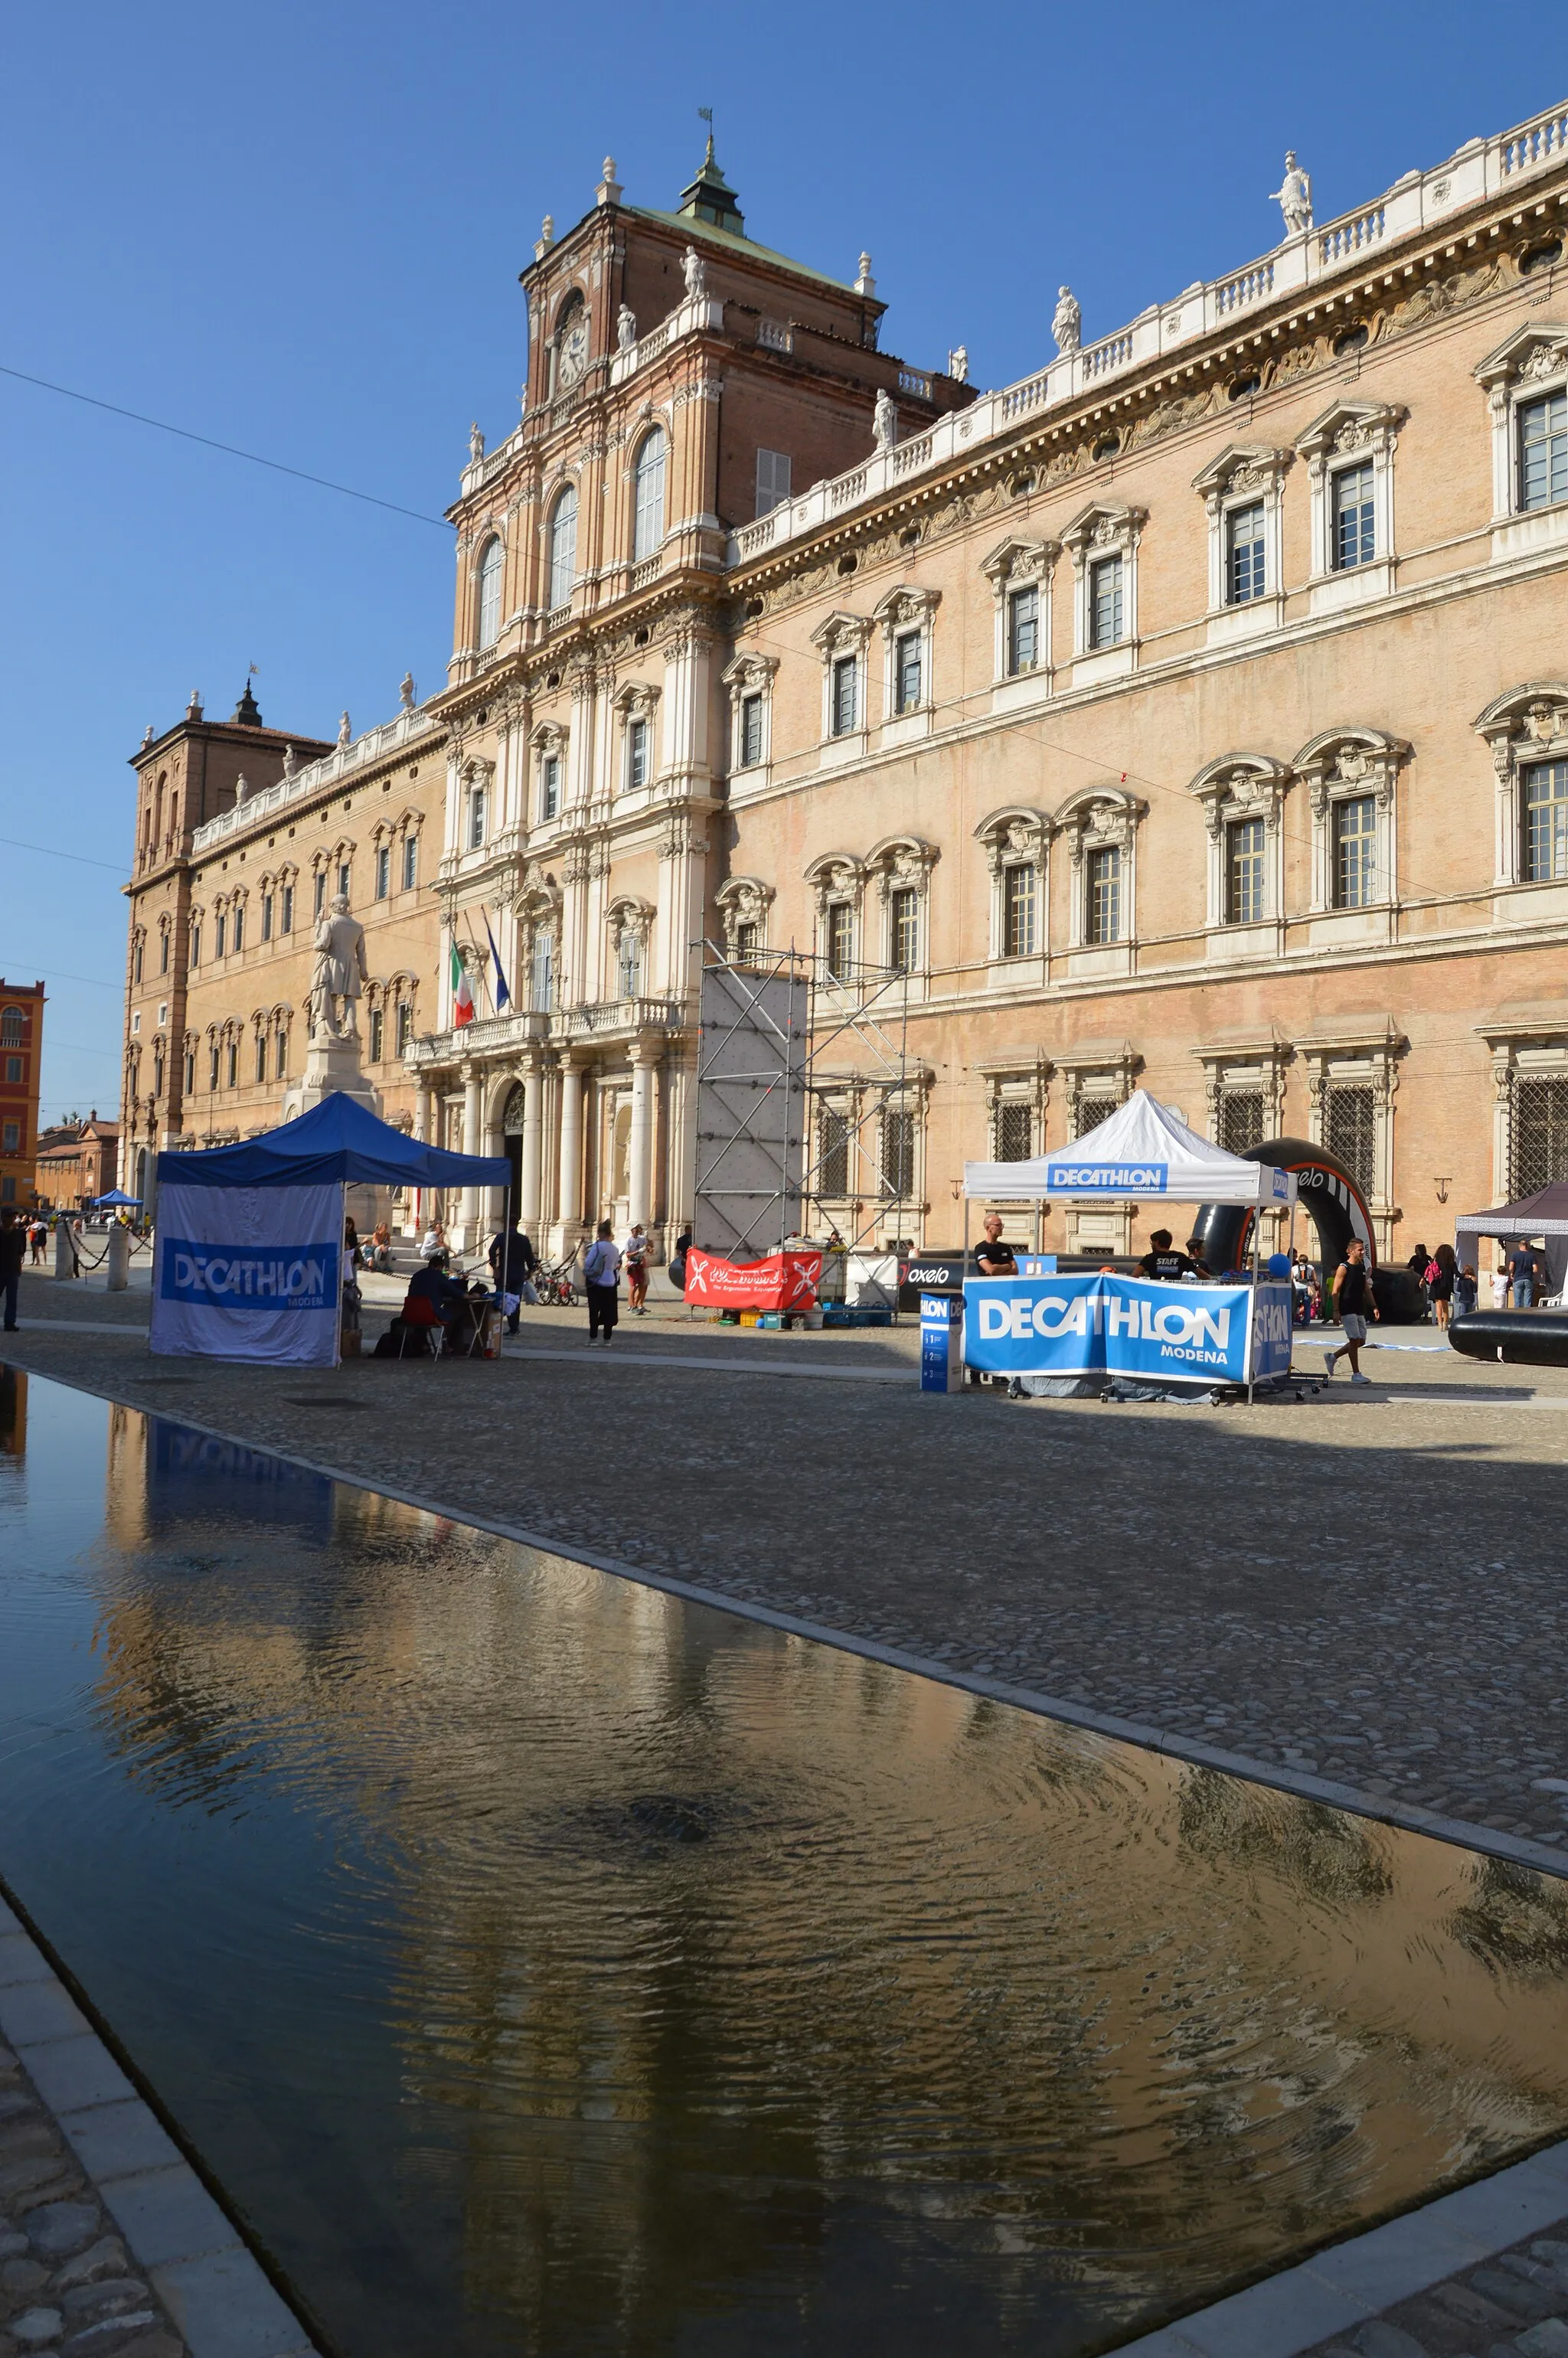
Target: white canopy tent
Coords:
[(1144, 1151)]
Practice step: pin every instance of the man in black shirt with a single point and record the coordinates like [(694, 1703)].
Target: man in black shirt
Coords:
[(992, 1257), (1160, 1264), (1352, 1300)]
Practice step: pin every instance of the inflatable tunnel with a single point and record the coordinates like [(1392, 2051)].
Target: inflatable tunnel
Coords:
[(1337, 1209)]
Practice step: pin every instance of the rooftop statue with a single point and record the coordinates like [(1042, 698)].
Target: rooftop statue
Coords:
[(625, 328), (1294, 196), (1068, 323), (696, 271), (884, 422)]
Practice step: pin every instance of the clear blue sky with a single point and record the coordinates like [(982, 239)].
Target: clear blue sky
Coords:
[(299, 229)]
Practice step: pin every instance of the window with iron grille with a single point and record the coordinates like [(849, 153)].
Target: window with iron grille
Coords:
[(904, 929), (1539, 1130), (1014, 1130), (1018, 885), (832, 1155), (1244, 871), (1245, 569), (1354, 522), (1545, 785), (846, 694), (1023, 629), (377, 1034), (1349, 1131), (750, 731), (1092, 1112), (1105, 604), (1104, 913), (1240, 1119), (907, 669), (1356, 853), (1543, 451), (898, 1152), (840, 940)]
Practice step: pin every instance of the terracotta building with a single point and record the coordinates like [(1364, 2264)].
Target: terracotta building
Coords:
[(1193, 713), (77, 1162), (21, 1056)]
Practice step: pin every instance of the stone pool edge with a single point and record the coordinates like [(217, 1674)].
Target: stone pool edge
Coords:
[(1461, 1833), (173, 2217), (1348, 2284)]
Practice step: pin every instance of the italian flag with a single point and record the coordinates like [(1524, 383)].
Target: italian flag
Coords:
[(462, 993)]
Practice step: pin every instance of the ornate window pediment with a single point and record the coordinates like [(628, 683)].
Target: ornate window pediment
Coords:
[(907, 608), (1103, 528), (1532, 355), (1014, 833), (1241, 470), (1340, 766), (1241, 785), (1350, 761), (1098, 816), (744, 901), (1529, 724), (836, 876), (842, 634), (549, 736), (900, 860), (637, 701), (1018, 562), (1349, 427), (1241, 794), (749, 675)]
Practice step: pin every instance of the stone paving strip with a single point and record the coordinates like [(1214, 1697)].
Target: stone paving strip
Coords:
[(110, 2245), (1481, 2272)]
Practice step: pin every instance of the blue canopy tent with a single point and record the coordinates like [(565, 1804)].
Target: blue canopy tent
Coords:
[(115, 1200), (250, 1236)]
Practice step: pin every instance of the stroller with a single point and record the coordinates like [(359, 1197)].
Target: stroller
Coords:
[(553, 1282)]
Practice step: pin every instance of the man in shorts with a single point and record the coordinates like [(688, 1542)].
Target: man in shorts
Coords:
[(1352, 1300)]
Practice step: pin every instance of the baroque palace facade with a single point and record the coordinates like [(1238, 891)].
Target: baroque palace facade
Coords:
[(1193, 714)]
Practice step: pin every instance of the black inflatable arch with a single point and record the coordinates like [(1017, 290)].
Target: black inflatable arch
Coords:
[(1337, 1209)]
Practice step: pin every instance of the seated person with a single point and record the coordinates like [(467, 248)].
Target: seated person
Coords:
[(993, 1257), (444, 1294), (1162, 1264)]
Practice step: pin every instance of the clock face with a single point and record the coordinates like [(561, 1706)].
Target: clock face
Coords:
[(572, 349)]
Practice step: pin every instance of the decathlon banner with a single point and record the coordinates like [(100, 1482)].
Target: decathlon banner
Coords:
[(1108, 1325), (249, 1273)]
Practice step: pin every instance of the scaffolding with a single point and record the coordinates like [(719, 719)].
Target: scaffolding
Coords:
[(807, 1116)]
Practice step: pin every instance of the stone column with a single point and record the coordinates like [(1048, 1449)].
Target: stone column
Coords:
[(680, 1167), (493, 1199), (568, 1210), (533, 1144), (469, 1214), (644, 1068)]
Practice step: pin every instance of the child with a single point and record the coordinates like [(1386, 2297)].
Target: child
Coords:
[(1465, 1292)]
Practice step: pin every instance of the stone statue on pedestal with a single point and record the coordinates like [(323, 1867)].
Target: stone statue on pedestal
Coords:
[(1294, 196), (884, 422), (696, 271), (625, 328), (1067, 325), (341, 968)]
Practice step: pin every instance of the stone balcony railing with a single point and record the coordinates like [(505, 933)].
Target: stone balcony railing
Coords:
[(333, 768), (621, 1019), (487, 1035), (1480, 169)]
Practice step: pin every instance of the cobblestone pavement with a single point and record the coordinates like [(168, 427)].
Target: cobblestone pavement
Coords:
[(1365, 1587), (67, 2285), (1514, 2306)]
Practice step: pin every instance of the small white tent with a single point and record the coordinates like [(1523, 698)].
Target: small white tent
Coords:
[(1142, 1151)]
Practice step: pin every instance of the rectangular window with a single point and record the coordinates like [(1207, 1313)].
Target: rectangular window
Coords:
[(1349, 1131), (285, 922), (636, 754), (898, 1153), (904, 929), (1540, 1132), (377, 1034), (239, 927), (267, 916), (383, 870), (136, 962), (1104, 913), (1018, 910), (319, 902), (343, 878), (846, 694), (232, 1065), (1105, 610), (1543, 451), (1244, 578), (1240, 1119), (1023, 629), (476, 817), (410, 862), (1092, 1112), (907, 666), (13, 1070), (747, 942), (281, 1060), (550, 786), (1356, 853), (212, 1068), (190, 1072), (750, 731), (1355, 524), (630, 965), (541, 973), (196, 943), (772, 481), (1545, 821), (1014, 1130), (261, 1055), (832, 1155), (12, 1140), (405, 1026), (840, 940), (220, 933), (163, 951), (1244, 871)]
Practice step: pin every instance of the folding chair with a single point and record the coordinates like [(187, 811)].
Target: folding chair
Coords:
[(419, 1316)]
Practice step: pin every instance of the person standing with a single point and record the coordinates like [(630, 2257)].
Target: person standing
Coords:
[(601, 1274), (1524, 1275), (994, 1257), (1464, 1291), (677, 1259), (1352, 1300), (1500, 1282), (38, 1235), (637, 1249), (1442, 1271), (514, 1259), (13, 1245)]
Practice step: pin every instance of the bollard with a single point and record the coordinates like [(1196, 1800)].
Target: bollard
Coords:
[(119, 1259), (64, 1250)]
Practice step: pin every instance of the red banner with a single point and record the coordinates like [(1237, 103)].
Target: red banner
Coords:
[(785, 1281)]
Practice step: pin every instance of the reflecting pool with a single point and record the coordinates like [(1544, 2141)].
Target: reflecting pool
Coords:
[(545, 1964)]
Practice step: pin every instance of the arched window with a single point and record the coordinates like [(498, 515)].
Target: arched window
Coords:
[(490, 593), (563, 547), (648, 531), (11, 1027)]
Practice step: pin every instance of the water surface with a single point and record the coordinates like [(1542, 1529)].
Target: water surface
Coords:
[(545, 1964)]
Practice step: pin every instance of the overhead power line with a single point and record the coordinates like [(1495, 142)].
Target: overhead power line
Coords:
[(230, 449), (116, 867)]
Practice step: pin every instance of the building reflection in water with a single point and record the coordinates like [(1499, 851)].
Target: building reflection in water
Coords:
[(13, 1411), (741, 1994)]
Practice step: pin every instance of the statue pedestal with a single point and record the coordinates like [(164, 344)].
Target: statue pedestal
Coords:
[(331, 1062)]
